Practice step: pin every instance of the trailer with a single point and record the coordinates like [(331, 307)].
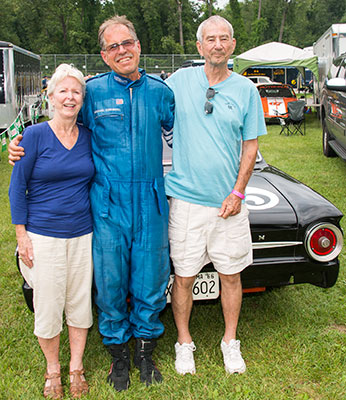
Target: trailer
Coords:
[(328, 47), (20, 83)]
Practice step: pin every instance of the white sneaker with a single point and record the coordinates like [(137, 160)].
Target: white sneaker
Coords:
[(184, 362), (232, 358)]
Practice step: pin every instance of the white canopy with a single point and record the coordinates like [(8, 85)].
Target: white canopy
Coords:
[(276, 54)]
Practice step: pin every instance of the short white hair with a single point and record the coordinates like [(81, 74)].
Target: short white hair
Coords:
[(63, 71), (216, 19)]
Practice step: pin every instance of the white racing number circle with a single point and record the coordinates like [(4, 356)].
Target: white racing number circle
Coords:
[(260, 199)]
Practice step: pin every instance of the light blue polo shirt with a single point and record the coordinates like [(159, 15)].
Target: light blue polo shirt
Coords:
[(207, 148)]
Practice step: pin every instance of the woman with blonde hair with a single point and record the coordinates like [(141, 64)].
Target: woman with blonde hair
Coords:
[(49, 197)]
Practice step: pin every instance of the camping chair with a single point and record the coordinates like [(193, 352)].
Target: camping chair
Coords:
[(293, 123)]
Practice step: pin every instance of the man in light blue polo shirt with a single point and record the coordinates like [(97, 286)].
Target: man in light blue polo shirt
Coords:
[(217, 121)]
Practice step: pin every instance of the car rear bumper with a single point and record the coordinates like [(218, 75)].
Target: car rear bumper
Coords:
[(282, 272)]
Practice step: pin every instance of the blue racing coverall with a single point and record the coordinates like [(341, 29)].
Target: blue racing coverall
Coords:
[(128, 201)]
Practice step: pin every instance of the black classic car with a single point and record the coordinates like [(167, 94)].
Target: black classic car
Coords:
[(296, 236)]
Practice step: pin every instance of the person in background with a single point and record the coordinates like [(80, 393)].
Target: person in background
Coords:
[(44, 82), (49, 199), (217, 121), (163, 75)]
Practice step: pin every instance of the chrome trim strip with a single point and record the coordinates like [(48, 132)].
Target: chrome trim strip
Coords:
[(272, 245)]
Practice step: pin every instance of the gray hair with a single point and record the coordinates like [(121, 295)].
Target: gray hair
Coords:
[(63, 71), (215, 19), (116, 20)]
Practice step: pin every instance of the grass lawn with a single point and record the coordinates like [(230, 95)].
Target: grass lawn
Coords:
[(293, 338)]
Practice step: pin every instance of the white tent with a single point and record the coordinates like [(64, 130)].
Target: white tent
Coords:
[(276, 54)]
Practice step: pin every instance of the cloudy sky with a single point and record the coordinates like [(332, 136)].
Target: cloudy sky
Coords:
[(221, 3)]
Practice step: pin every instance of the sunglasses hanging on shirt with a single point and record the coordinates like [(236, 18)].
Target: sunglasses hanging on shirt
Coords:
[(208, 106)]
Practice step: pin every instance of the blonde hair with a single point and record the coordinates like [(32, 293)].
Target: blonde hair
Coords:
[(116, 20), (63, 71)]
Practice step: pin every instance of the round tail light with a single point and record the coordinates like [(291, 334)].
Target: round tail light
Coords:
[(323, 242)]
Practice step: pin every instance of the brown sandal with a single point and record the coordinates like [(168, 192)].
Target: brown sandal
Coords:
[(53, 391), (78, 387)]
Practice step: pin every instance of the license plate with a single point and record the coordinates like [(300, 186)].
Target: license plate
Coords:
[(206, 286)]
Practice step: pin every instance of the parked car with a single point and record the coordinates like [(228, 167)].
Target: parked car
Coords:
[(274, 97), (333, 110), (296, 236), (259, 79)]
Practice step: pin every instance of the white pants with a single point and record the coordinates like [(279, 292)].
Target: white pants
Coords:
[(62, 279)]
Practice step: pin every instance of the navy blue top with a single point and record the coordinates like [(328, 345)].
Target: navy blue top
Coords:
[(49, 189)]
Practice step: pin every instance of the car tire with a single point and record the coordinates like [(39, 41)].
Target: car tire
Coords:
[(327, 150)]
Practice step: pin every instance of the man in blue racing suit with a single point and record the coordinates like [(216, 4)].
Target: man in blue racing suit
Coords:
[(126, 109)]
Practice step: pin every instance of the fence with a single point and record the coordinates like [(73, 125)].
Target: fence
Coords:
[(92, 64)]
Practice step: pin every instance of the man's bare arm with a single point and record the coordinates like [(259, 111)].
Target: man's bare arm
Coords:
[(232, 203), (15, 152)]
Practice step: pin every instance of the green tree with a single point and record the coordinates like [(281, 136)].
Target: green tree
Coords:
[(56, 27), (283, 18), (324, 13), (206, 8), (190, 47), (170, 46), (180, 21), (296, 30), (8, 21), (232, 13), (85, 27), (163, 26), (258, 27), (189, 21)]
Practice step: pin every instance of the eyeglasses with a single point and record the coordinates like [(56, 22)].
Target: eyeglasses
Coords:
[(208, 106), (127, 44)]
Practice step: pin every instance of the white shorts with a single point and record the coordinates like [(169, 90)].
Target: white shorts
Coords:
[(61, 278), (197, 235)]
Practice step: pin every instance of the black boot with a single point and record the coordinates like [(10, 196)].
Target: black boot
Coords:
[(119, 373), (148, 371)]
